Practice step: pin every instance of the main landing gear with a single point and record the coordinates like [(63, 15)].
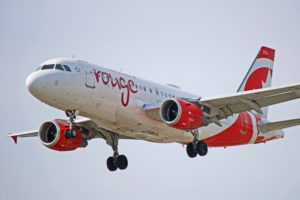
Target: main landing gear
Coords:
[(196, 147), (116, 161), (72, 114)]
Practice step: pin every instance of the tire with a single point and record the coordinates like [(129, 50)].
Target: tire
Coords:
[(110, 164), (73, 133), (202, 148), (122, 162), (190, 151), (68, 134)]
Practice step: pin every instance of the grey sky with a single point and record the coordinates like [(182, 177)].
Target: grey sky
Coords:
[(203, 46)]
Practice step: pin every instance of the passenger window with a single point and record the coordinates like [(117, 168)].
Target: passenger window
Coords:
[(144, 89), (67, 68), (156, 92), (136, 86), (150, 90), (166, 95), (48, 67), (59, 67), (162, 94), (141, 88)]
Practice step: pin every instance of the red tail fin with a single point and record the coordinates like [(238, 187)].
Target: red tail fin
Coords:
[(260, 73)]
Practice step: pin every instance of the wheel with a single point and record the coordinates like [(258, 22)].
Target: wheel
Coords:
[(190, 150), (68, 134), (111, 164), (202, 148), (73, 133), (68, 113), (122, 162)]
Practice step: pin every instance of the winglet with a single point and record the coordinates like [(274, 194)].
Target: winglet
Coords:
[(15, 138)]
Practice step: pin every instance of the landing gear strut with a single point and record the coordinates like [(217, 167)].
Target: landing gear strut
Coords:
[(72, 114), (116, 161), (196, 147)]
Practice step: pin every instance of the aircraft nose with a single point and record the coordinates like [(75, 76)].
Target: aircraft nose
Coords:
[(34, 83)]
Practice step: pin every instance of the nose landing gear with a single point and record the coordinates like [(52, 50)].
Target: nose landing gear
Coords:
[(72, 114)]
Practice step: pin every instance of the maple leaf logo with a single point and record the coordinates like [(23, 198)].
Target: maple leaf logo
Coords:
[(260, 78)]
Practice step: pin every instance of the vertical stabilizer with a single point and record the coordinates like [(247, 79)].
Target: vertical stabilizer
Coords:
[(260, 73)]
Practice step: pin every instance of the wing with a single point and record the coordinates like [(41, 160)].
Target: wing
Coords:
[(15, 136), (279, 125), (95, 130), (223, 106), (220, 107), (85, 125)]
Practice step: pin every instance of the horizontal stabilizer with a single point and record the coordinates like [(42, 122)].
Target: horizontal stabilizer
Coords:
[(279, 125)]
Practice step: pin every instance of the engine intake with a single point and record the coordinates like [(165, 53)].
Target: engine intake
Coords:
[(52, 135), (181, 114)]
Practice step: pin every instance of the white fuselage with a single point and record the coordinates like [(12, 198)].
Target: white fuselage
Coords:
[(115, 101)]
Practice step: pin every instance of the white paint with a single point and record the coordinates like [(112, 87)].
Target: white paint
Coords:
[(104, 104)]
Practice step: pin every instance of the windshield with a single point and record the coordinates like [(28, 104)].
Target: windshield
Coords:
[(55, 66), (51, 66)]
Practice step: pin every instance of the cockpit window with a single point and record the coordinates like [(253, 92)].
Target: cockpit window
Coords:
[(59, 67), (48, 67), (67, 68)]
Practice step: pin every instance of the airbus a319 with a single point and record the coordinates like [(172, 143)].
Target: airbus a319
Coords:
[(116, 106)]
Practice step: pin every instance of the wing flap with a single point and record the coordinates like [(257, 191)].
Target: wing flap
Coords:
[(228, 105), (275, 99)]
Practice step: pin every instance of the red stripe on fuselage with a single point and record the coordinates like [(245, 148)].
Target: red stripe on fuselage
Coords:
[(239, 133)]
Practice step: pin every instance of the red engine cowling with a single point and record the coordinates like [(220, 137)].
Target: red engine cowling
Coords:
[(52, 135), (181, 114)]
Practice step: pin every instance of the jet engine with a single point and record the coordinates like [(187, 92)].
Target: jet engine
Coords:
[(52, 134), (181, 114)]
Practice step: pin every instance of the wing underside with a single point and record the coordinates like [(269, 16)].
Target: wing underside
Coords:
[(91, 128)]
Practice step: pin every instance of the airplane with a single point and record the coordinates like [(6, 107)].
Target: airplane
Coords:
[(115, 106)]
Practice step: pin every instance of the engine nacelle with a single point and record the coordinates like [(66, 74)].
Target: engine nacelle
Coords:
[(181, 114), (52, 135)]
